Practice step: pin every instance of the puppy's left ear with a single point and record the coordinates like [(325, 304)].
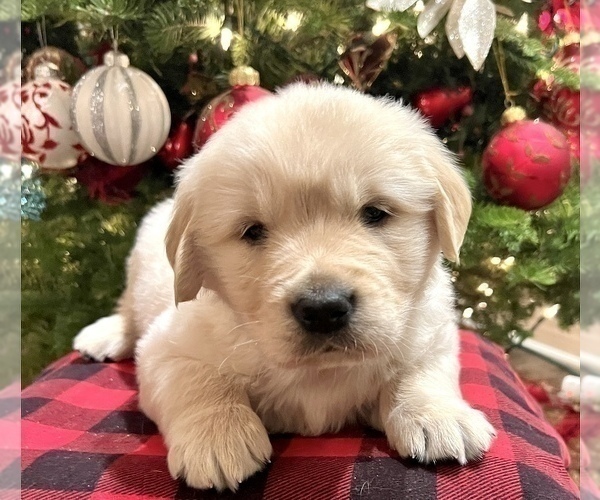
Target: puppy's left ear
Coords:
[(452, 206), (184, 254)]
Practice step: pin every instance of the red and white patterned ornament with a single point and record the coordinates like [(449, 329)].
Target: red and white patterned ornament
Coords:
[(527, 163), (10, 120), (245, 82), (47, 134)]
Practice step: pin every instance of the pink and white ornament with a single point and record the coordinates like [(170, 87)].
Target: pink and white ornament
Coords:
[(10, 120), (47, 134)]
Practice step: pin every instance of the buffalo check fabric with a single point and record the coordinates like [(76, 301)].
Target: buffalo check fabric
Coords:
[(84, 438)]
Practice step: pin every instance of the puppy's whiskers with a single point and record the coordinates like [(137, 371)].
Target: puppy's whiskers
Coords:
[(233, 349), (242, 325), (255, 279)]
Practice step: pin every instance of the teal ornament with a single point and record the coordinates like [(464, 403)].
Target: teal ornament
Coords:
[(33, 198)]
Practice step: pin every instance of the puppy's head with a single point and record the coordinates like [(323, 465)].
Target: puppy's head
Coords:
[(317, 214)]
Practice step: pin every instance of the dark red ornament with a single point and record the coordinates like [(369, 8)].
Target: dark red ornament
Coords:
[(439, 105), (527, 164), (112, 184), (179, 145), (216, 113)]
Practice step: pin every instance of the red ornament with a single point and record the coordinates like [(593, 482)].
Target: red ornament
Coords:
[(178, 146), (10, 120), (560, 16), (218, 111), (112, 184), (527, 164), (561, 105), (439, 105)]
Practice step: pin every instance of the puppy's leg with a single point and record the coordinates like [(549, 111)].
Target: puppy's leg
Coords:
[(213, 436), (107, 338), (112, 337), (425, 417)]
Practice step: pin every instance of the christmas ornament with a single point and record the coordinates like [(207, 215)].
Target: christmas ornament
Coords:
[(178, 146), (561, 105), (470, 24), (10, 120), (67, 67), (9, 190), (33, 198), (527, 162), (120, 113), (47, 134), (245, 88), (438, 105), (112, 184), (560, 16), (365, 58)]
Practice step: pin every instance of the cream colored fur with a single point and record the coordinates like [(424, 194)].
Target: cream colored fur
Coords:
[(228, 363)]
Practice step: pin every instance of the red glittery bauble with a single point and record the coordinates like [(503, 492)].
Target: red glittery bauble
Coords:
[(178, 146), (439, 105), (216, 113), (527, 164)]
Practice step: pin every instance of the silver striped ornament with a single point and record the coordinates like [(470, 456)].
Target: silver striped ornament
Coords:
[(120, 113)]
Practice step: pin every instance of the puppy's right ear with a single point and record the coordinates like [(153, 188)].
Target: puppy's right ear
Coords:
[(184, 254)]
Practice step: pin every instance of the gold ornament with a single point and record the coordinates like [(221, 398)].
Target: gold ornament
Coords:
[(63, 64), (512, 115), (244, 75)]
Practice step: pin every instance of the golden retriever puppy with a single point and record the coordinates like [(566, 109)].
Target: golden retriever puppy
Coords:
[(305, 289)]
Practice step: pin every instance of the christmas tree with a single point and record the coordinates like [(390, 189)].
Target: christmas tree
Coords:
[(472, 67)]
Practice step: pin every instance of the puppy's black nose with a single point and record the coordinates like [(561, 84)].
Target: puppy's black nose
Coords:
[(324, 310)]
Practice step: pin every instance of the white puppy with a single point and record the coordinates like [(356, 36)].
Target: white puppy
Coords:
[(304, 243)]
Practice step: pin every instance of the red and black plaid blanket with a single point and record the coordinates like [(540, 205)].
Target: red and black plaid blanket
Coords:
[(84, 438)]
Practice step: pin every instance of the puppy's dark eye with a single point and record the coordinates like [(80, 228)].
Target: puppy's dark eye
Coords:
[(255, 233), (373, 216)]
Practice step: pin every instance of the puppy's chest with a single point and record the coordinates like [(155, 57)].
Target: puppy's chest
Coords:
[(314, 402)]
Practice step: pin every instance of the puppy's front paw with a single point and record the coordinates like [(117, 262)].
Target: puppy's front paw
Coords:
[(440, 431), (225, 446), (105, 339)]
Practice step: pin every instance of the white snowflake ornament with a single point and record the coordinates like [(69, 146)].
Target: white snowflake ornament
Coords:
[(470, 24)]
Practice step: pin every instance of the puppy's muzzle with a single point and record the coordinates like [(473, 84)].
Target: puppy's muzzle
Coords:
[(324, 310)]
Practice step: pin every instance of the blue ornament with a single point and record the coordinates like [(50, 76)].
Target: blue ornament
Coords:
[(33, 198)]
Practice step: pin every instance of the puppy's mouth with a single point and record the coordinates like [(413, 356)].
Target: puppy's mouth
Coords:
[(331, 354)]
